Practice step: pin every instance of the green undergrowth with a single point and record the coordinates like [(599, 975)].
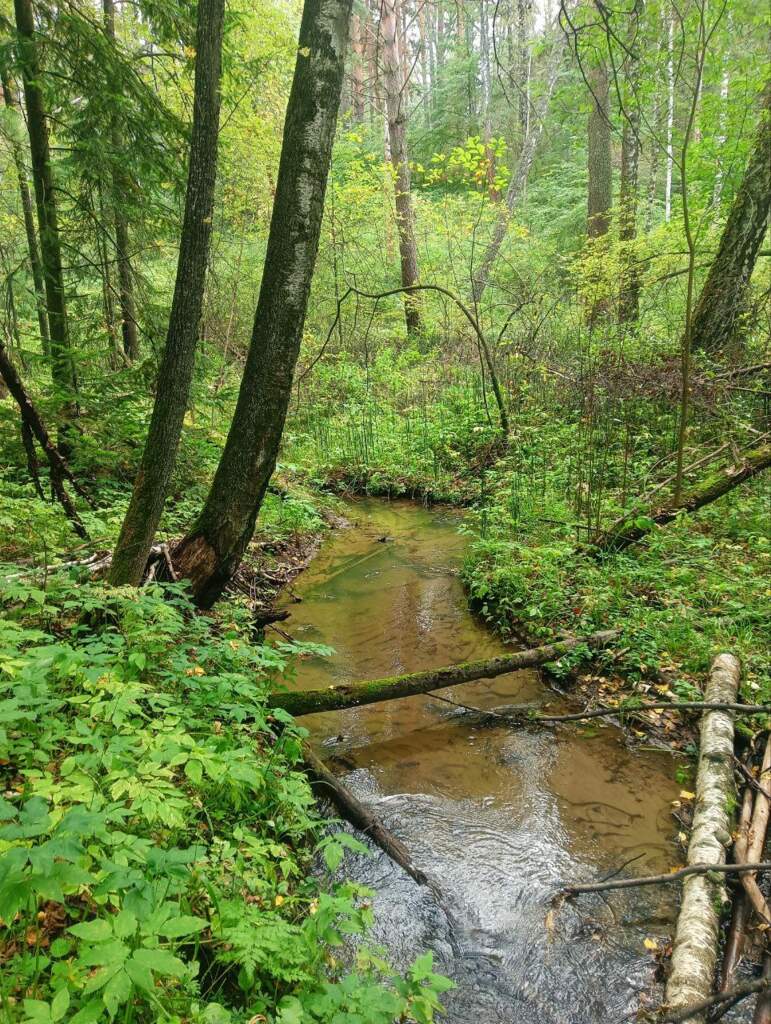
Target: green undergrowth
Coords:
[(687, 592), (157, 839)]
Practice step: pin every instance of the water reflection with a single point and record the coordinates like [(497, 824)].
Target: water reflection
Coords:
[(500, 817)]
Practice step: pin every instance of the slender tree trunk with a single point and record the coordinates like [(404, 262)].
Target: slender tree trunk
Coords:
[(600, 193), (518, 180), (122, 250), (29, 223), (33, 426), (653, 167), (176, 369), (670, 116), (720, 306), (721, 138), (523, 99), (396, 108), (357, 68), (213, 548), (424, 79), (628, 305), (62, 365)]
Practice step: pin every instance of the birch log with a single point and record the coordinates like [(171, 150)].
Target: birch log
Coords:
[(694, 955)]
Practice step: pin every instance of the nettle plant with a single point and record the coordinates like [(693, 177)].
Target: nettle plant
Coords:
[(156, 838)]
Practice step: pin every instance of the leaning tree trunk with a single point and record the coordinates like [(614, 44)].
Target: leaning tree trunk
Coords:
[(125, 277), (176, 369), (694, 953), (29, 223), (721, 303), (516, 188), (62, 365), (396, 109), (34, 428), (213, 548), (623, 533)]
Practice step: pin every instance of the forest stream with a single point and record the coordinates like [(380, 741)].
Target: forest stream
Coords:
[(499, 817)]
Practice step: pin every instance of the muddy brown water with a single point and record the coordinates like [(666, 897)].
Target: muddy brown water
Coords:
[(499, 817)]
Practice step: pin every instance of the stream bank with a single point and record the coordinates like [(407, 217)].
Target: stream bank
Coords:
[(500, 818)]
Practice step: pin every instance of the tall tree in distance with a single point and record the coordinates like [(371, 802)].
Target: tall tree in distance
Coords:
[(629, 295), (396, 112), (36, 266), (62, 364), (122, 258), (176, 369), (600, 188), (212, 550), (534, 124)]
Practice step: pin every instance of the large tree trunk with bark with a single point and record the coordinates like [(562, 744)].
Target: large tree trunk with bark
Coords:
[(373, 691), (623, 533), (176, 369), (122, 257), (600, 189), (694, 953), (396, 110), (213, 548), (721, 303), (62, 365), (29, 223)]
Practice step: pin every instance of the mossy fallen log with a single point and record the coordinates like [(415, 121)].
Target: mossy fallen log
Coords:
[(623, 533), (372, 691)]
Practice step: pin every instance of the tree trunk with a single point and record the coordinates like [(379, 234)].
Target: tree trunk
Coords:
[(125, 277), (518, 180), (29, 223), (600, 192), (719, 310), (670, 26), (694, 953), (624, 534), (176, 369), (62, 366), (357, 69), (326, 786), (373, 691), (396, 108), (628, 305), (32, 425), (523, 60), (213, 548)]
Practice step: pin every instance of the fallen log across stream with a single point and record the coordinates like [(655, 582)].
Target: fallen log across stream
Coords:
[(329, 787), (372, 691), (695, 948)]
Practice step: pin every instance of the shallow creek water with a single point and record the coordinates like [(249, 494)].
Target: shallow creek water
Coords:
[(499, 817)]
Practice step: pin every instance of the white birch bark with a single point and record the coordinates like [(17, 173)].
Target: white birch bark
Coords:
[(694, 954)]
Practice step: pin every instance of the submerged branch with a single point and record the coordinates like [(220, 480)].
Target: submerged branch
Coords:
[(673, 876)]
